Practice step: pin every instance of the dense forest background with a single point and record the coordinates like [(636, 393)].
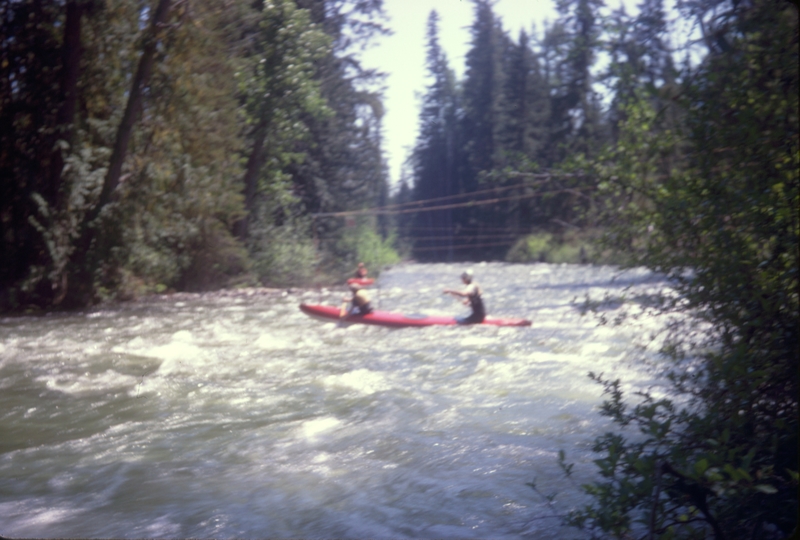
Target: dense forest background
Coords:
[(183, 145), (152, 146), (162, 145)]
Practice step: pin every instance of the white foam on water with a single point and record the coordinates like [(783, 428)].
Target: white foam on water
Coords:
[(541, 270), (473, 340), (312, 430), (162, 527), (88, 383), (176, 356), (35, 515), (273, 342), (594, 349), (184, 336), (363, 381)]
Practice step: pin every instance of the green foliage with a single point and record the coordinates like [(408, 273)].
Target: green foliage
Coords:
[(531, 248), (363, 244), (180, 200), (712, 202), (283, 255), (232, 80), (576, 246), (568, 253), (342, 167), (280, 93)]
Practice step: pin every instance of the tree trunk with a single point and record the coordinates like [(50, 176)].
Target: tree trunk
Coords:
[(132, 108), (81, 284), (250, 181)]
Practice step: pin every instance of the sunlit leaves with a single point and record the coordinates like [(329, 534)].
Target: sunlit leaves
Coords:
[(712, 201)]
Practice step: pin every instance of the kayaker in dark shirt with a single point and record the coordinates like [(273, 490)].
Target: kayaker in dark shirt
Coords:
[(361, 271), (360, 302), (472, 297)]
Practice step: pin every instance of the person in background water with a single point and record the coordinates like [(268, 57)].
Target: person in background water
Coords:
[(360, 302), (361, 271), (472, 297)]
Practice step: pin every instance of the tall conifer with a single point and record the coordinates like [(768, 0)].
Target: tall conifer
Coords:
[(483, 122), (435, 154)]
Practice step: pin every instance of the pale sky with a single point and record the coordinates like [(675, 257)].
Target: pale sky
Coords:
[(402, 56)]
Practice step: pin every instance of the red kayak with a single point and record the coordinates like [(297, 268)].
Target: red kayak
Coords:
[(397, 320), (361, 281)]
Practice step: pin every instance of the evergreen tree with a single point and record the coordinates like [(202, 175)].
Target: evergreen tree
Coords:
[(526, 103), (625, 67), (483, 123), (641, 60), (404, 221), (343, 168), (526, 112), (575, 126), (436, 153), (483, 95), (575, 111), (554, 51), (650, 34)]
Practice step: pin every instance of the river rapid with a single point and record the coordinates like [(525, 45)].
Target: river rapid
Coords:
[(238, 416)]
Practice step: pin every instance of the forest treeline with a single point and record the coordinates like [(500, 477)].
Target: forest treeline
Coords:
[(534, 115), (179, 144), (182, 145)]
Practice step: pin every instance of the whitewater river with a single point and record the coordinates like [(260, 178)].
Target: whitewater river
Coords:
[(238, 416)]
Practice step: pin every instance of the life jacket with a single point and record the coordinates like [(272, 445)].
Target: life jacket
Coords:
[(360, 298), (361, 301), (476, 303)]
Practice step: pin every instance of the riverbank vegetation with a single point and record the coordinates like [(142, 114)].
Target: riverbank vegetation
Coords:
[(180, 145), (152, 146), (702, 186)]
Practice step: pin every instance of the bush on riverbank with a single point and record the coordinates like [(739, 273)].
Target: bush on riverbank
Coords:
[(575, 246), (360, 243), (283, 256), (713, 205)]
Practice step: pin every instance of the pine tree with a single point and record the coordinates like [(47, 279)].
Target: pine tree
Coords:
[(554, 52), (483, 122), (650, 33), (575, 107), (483, 95), (526, 100), (435, 153), (641, 60), (526, 103), (343, 167), (575, 125)]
